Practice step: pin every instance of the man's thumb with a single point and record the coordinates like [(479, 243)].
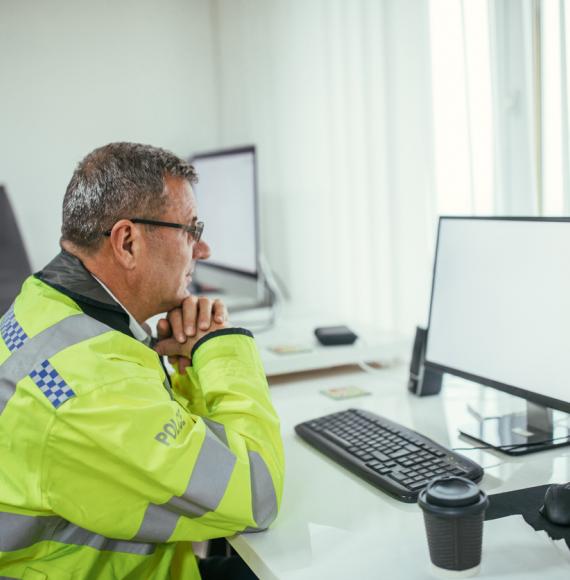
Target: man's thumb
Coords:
[(168, 347)]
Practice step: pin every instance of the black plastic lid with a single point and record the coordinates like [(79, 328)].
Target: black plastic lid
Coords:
[(450, 491)]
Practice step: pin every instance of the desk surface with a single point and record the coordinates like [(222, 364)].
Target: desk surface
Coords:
[(332, 525), (298, 331)]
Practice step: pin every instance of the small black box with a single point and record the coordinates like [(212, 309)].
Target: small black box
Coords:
[(335, 335)]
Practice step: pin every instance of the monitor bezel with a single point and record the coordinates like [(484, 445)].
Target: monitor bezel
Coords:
[(530, 396), (223, 153)]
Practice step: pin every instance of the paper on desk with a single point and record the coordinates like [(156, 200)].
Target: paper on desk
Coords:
[(511, 548)]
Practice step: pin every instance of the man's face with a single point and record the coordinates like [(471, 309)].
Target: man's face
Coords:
[(172, 253)]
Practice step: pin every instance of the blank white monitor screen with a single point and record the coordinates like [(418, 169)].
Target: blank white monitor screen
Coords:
[(226, 199), (501, 303)]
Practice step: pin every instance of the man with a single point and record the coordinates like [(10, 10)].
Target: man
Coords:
[(108, 467)]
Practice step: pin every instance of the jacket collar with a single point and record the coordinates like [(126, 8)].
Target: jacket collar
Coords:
[(67, 274)]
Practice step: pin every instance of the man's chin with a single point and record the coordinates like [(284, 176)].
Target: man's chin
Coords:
[(174, 302), (182, 295)]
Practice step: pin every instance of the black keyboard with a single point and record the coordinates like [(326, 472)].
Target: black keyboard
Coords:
[(388, 455)]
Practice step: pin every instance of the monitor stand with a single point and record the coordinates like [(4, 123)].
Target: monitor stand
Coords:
[(531, 431)]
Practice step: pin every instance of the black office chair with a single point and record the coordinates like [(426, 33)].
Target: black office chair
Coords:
[(14, 263)]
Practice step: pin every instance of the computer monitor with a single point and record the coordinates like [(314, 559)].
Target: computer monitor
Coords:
[(500, 316), (226, 194)]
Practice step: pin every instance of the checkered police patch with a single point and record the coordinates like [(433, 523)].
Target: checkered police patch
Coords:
[(51, 384), (12, 333)]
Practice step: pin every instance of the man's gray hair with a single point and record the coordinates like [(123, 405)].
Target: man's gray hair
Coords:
[(117, 181)]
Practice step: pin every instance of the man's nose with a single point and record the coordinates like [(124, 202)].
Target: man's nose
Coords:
[(201, 251)]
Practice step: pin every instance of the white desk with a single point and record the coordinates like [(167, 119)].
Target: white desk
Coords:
[(332, 525), (294, 328)]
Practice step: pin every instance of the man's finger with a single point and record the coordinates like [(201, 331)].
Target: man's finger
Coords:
[(220, 311), (204, 312), (163, 329), (189, 314), (169, 347), (175, 319), (183, 363)]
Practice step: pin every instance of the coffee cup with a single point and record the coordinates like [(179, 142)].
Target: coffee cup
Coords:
[(454, 509)]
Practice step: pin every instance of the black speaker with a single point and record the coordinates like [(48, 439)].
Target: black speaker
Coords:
[(423, 382)]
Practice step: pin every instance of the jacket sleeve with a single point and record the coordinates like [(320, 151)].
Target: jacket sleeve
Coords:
[(131, 462)]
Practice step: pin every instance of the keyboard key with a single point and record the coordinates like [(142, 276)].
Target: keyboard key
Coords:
[(412, 448), (380, 456), (398, 476), (379, 468), (418, 485), (398, 453), (338, 440)]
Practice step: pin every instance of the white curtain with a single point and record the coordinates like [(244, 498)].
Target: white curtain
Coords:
[(464, 158), (337, 96), (555, 106), (484, 117)]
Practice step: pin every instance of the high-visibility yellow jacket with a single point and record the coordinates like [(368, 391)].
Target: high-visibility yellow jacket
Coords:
[(108, 471)]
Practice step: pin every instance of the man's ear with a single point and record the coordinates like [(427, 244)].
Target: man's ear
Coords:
[(125, 242)]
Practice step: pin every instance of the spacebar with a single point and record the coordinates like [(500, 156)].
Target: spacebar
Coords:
[(338, 440)]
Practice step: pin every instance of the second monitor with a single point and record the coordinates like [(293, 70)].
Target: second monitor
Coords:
[(227, 198)]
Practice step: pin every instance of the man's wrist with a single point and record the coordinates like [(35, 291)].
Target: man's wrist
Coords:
[(219, 332)]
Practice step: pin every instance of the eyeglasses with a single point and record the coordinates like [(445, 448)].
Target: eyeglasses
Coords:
[(195, 230)]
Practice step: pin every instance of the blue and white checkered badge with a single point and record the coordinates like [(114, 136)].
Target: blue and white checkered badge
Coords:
[(12, 333), (51, 384)]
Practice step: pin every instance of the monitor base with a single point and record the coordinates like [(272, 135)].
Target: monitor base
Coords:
[(520, 433)]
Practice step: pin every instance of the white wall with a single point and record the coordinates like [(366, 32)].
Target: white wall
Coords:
[(76, 74)]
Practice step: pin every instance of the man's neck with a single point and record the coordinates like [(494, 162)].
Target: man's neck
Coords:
[(115, 280), (137, 329), (120, 290)]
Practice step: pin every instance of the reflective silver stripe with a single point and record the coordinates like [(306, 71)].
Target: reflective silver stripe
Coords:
[(68, 533), (158, 524), (67, 332), (209, 479), (218, 429), (262, 492), (19, 531), (206, 488)]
